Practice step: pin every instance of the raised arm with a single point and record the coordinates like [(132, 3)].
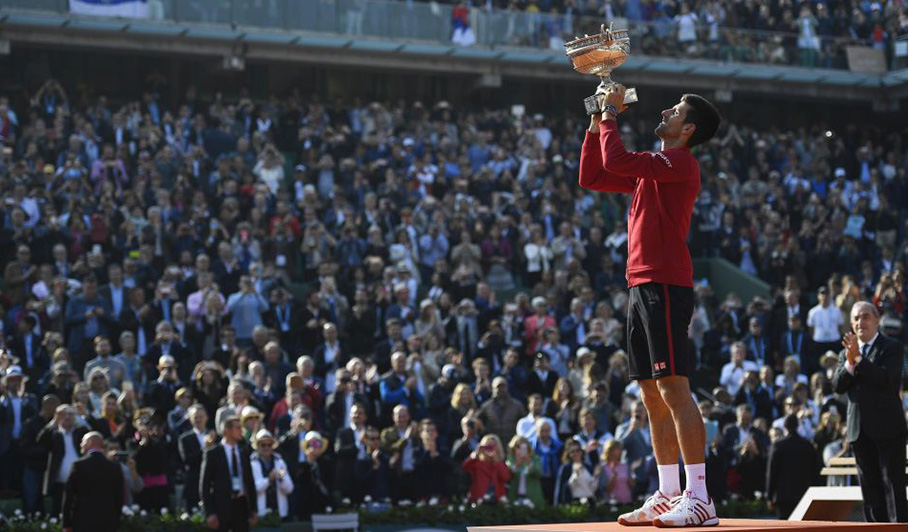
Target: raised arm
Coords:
[(659, 166), (593, 176)]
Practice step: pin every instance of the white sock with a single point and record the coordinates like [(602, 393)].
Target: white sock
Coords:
[(669, 480), (696, 481)]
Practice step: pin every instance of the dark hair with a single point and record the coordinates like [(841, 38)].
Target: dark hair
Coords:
[(702, 114), (791, 423)]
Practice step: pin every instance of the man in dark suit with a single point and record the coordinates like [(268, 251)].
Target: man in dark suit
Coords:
[(226, 488), (26, 345), (94, 490), (192, 446), (285, 316), (542, 379), (87, 316), (140, 318), (61, 438), (792, 468), (869, 372), (115, 294), (755, 395), (330, 354), (167, 343), (339, 404), (348, 448), (160, 394), (16, 408)]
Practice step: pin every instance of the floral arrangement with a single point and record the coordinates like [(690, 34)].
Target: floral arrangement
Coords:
[(431, 512)]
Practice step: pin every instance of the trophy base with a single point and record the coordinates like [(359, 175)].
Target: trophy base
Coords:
[(591, 103)]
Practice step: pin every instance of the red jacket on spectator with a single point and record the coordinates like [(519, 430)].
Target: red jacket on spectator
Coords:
[(485, 473)]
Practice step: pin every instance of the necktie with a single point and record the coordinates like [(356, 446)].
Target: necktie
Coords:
[(865, 349), (235, 463)]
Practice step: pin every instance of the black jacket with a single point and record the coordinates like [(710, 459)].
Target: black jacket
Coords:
[(792, 468), (215, 487), (93, 497), (874, 403), (191, 454), (52, 440)]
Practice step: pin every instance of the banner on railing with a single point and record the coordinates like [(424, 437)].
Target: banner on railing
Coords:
[(110, 8)]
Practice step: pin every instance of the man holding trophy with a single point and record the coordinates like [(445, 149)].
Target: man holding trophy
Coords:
[(664, 185)]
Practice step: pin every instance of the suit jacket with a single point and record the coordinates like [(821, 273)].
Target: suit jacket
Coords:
[(336, 408), (75, 321), (792, 468), (289, 448), (346, 453), (130, 321), (291, 339), (535, 384), (874, 403), (186, 360), (759, 399), (106, 293), (160, 396), (28, 409), (52, 440), (40, 360), (215, 486), (731, 439), (191, 454), (322, 368), (93, 497)]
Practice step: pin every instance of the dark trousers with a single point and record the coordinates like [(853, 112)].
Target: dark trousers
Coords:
[(56, 497), (238, 520), (32, 501), (881, 469), (11, 464), (404, 486), (784, 508)]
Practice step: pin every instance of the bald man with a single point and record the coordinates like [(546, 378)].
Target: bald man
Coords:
[(93, 497)]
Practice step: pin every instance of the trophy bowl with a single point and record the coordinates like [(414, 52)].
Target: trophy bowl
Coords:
[(600, 54)]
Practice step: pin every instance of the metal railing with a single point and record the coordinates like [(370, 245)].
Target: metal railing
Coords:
[(405, 20)]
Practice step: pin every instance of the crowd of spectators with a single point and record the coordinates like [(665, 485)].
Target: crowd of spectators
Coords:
[(388, 295), (810, 34), (782, 32)]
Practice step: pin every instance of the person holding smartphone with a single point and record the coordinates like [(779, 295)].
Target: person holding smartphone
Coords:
[(526, 471), (489, 473)]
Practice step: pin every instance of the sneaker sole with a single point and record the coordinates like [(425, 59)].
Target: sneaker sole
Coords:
[(625, 522), (709, 522)]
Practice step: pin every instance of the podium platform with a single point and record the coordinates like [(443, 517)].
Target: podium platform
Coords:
[(725, 525)]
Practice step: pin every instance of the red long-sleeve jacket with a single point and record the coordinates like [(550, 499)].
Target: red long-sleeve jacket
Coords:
[(486, 473), (664, 185)]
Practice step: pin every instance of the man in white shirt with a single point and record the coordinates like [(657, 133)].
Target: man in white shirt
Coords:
[(526, 426), (61, 437), (825, 321), (804, 415), (733, 373)]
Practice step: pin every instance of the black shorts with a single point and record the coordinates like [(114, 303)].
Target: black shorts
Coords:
[(658, 316)]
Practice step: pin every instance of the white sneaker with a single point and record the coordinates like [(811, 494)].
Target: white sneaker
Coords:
[(655, 505), (688, 511)]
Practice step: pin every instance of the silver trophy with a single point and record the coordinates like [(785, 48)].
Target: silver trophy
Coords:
[(600, 54)]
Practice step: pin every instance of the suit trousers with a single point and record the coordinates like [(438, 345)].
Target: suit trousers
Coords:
[(881, 469), (56, 497), (238, 520)]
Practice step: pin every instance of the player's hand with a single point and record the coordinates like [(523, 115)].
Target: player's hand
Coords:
[(213, 522), (614, 94)]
